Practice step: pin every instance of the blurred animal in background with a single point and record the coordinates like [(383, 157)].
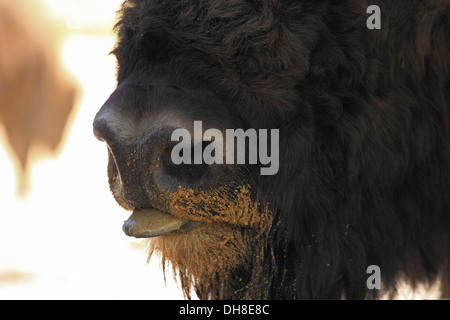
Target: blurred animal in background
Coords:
[(36, 94)]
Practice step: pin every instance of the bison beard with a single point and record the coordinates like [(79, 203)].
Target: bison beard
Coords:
[(364, 151), (219, 256)]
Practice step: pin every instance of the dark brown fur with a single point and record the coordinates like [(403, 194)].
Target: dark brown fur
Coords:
[(364, 120)]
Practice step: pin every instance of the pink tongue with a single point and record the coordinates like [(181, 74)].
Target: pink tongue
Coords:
[(147, 223)]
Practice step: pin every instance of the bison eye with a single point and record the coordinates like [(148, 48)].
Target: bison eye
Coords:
[(189, 173)]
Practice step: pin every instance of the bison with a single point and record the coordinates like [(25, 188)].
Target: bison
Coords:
[(363, 119), (37, 94)]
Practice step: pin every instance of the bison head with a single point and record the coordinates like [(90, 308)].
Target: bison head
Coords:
[(342, 198)]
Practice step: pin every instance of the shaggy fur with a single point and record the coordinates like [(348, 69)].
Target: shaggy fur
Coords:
[(364, 119)]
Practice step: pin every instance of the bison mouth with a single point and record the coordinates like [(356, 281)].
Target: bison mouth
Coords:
[(148, 223), (211, 238), (185, 210)]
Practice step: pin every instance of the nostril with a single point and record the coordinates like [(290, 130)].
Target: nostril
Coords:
[(189, 173)]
